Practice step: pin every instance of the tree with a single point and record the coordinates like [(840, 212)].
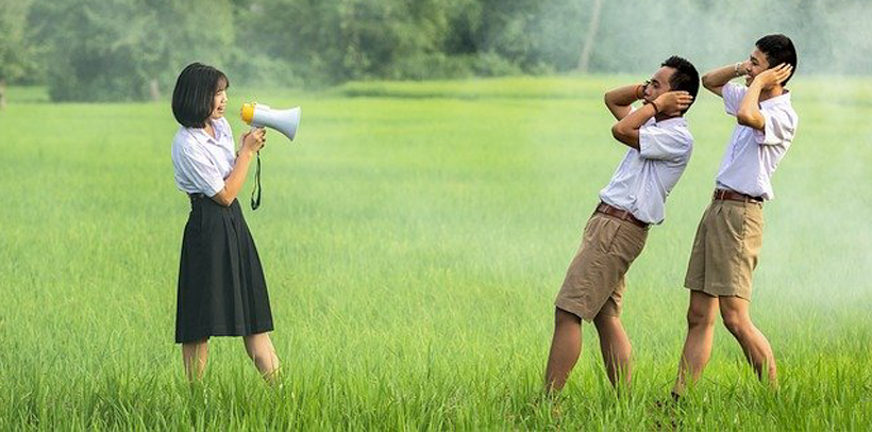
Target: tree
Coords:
[(593, 24), (15, 49), (330, 41), (126, 49)]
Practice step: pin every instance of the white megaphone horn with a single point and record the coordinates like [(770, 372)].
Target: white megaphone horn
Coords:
[(259, 115)]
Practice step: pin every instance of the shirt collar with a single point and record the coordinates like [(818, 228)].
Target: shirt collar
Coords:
[(671, 122), (777, 100), (201, 135)]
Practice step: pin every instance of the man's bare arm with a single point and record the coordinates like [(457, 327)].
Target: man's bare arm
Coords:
[(671, 103), (619, 100), (749, 109), (714, 81), (626, 130)]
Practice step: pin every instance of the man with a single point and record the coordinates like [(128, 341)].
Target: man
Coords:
[(729, 236), (660, 146)]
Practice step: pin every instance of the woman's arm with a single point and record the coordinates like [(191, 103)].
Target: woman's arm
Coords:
[(252, 142)]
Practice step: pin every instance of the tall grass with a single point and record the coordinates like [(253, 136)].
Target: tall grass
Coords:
[(413, 246)]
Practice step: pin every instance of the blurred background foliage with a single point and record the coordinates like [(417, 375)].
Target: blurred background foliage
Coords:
[(127, 50)]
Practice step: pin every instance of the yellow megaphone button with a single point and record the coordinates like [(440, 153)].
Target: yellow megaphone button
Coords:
[(248, 112)]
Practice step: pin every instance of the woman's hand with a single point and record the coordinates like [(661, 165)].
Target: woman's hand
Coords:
[(253, 141)]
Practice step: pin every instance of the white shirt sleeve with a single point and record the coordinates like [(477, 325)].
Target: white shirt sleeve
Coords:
[(663, 143), (200, 170), (733, 94), (779, 127)]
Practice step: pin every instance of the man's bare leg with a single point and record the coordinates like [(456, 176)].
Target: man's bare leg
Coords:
[(701, 316), (616, 348), (565, 348), (737, 319)]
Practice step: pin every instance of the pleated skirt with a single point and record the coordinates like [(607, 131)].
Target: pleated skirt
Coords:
[(222, 290)]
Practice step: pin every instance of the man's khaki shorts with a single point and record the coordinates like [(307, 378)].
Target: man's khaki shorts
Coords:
[(725, 249), (594, 282)]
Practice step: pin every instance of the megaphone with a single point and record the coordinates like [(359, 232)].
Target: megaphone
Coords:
[(260, 115), (284, 121)]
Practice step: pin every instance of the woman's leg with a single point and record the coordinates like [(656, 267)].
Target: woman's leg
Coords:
[(261, 350), (194, 356)]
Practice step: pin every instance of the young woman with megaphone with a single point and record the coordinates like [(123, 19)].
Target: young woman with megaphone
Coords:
[(221, 288)]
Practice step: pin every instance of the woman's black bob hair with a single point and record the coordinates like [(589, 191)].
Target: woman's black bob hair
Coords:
[(194, 92)]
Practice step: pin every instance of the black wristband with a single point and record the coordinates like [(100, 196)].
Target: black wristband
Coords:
[(656, 109)]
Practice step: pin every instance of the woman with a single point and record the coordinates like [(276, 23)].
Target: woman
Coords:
[(221, 290)]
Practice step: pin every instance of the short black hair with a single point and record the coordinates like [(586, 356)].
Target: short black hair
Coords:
[(194, 92), (684, 78), (778, 49)]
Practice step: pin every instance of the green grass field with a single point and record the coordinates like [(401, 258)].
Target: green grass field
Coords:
[(414, 237)]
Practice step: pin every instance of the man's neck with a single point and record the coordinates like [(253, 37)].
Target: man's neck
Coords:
[(771, 93), (660, 117)]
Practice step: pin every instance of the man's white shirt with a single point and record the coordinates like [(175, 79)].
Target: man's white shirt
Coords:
[(752, 155), (645, 177)]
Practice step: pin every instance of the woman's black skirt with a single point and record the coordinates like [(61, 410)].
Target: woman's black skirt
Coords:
[(222, 290)]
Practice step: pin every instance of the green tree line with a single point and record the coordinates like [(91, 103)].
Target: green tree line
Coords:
[(110, 50)]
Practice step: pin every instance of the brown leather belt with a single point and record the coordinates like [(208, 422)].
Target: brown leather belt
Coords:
[(726, 194), (620, 214)]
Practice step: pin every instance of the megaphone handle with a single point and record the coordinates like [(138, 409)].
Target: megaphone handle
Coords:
[(255, 201)]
